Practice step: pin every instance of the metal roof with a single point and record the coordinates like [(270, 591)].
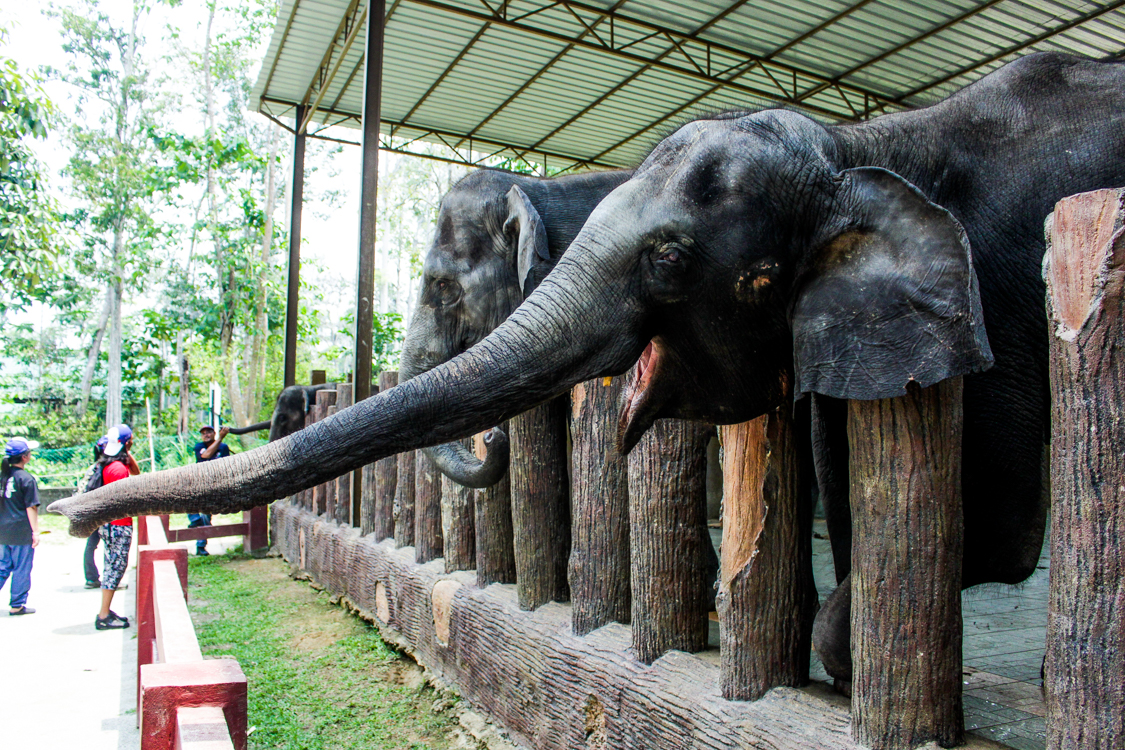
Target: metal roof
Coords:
[(595, 83)]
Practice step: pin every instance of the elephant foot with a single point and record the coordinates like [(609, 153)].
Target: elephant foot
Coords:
[(832, 636), (843, 687)]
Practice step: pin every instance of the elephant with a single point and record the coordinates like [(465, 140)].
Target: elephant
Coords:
[(289, 411), (498, 235), (757, 257)]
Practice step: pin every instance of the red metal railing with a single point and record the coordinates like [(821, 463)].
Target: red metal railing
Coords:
[(183, 700)]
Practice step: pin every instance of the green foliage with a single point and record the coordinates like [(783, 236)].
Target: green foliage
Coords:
[(28, 215)]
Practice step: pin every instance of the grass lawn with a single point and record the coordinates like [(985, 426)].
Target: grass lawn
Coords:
[(319, 677)]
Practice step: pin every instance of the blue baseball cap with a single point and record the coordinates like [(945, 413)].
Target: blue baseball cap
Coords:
[(116, 438), (18, 446), (101, 442)]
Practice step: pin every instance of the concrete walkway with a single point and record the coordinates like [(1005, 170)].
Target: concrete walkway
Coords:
[(67, 685)]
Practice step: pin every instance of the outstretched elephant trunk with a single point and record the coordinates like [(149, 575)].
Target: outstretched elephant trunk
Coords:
[(564, 334), (257, 427)]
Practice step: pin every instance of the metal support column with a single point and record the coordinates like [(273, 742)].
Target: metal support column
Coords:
[(365, 274), (292, 302)]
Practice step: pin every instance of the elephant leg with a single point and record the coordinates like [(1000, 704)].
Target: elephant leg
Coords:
[(830, 460), (832, 636)]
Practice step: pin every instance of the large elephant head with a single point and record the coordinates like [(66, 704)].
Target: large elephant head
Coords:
[(743, 264), (498, 235)]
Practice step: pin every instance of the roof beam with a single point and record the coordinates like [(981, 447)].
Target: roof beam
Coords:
[(356, 27), (322, 69), (687, 41), (1055, 31)]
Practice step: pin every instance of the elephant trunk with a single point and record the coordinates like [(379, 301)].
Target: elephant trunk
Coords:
[(250, 428), (546, 347)]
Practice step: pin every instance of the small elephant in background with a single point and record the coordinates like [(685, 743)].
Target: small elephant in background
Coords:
[(292, 406)]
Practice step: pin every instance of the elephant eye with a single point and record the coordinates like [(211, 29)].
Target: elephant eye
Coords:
[(446, 291), (669, 254)]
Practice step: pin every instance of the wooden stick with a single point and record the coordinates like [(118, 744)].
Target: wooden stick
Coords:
[(386, 473), (1085, 665), (540, 504), (667, 519), (496, 556), (599, 549), (907, 544), (764, 576), (404, 500), (345, 513), (427, 510), (458, 525)]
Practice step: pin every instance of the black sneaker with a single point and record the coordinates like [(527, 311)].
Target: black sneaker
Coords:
[(112, 622), (119, 617), (93, 584), (21, 611), (201, 553)]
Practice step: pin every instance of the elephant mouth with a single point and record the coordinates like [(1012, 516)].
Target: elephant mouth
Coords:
[(643, 397)]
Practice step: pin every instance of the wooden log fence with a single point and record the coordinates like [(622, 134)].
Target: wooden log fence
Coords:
[(496, 556), (384, 474), (344, 505), (1085, 660), (184, 701), (599, 549), (458, 521)]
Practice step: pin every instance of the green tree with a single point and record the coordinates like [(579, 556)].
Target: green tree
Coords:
[(28, 216), (111, 170)]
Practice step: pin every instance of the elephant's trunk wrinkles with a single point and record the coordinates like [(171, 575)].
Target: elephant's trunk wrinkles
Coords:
[(250, 428), (540, 352)]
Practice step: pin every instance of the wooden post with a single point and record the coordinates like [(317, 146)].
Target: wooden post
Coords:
[(324, 400), (907, 543), (292, 299), (459, 536), (540, 504), (1085, 669), (496, 557), (763, 580), (427, 510), (599, 548), (667, 514), (344, 511), (404, 500), (304, 497), (329, 509), (386, 472)]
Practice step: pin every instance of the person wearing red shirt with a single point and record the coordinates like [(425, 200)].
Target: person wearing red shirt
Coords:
[(117, 536)]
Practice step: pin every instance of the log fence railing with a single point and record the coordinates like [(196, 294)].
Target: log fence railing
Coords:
[(633, 551), (184, 702)]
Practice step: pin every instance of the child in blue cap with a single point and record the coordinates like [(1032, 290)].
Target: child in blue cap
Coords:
[(19, 523)]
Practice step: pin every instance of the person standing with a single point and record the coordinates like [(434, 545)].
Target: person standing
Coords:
[(19, 523), (116, 464), (89, 567), (207, 449)]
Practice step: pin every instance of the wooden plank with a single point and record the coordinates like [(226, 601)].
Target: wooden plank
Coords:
[(175, 635), (202, 728)]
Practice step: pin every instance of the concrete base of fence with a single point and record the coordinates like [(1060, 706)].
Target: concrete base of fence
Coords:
[(548, 687)]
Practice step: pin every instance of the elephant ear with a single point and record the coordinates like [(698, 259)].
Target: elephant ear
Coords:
[(531, 240), (891, 296)]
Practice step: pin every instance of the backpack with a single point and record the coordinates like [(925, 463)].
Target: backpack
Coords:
[(94, 478)]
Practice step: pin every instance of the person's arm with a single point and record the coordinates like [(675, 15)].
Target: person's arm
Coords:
[(131, 463), (33, 519), (209, 452)]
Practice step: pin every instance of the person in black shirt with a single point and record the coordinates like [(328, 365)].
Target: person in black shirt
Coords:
[(207, 449), (19, 523)]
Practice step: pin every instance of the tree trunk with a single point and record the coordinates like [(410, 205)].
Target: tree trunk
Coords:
[(907, 532), (764, 575), (386, 472), (113, 407), (667, 512), (1085, 666), (496, 557), (92, 355), (599, 551), (540, 504), (404, 500), (184, 427), (458, 532), (257, 346), (427, 510)]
